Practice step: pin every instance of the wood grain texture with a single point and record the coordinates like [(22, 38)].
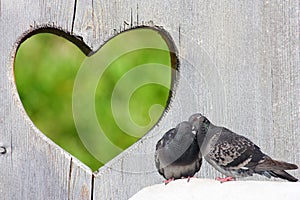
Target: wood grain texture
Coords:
[(239, 65), (33, 166)]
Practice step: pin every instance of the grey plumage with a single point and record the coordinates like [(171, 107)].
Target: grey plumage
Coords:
[(235, 155), (177, 153)]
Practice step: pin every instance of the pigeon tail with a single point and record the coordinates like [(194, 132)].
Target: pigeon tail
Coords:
[(270, 164), (269, 167), (283, 174)]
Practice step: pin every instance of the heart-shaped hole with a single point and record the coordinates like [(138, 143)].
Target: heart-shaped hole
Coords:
[(47, 66)]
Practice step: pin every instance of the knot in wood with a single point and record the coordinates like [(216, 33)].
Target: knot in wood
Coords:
[(2, 150)]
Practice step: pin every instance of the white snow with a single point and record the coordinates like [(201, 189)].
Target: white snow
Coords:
[(207, 189)]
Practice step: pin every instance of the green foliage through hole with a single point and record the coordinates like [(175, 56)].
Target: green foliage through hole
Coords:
[(45, 68)]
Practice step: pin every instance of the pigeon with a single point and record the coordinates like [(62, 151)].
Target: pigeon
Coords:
[(177, 153), (234, 155)]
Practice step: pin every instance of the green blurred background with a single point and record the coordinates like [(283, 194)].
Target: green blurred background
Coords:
[(45, 69)]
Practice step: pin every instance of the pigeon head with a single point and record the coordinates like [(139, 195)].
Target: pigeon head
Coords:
[(184, 128), (183, 125), (199, 122), (184, 134)]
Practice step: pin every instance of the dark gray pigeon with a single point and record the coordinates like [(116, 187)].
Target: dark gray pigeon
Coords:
[(234, 155), (177, 153)]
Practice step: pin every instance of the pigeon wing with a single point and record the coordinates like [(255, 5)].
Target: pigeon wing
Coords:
[(165, 140), (234, 151)]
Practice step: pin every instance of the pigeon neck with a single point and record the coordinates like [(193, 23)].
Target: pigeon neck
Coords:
[(212, 131)]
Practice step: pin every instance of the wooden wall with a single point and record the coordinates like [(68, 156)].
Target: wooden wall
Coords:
[(239, 65)]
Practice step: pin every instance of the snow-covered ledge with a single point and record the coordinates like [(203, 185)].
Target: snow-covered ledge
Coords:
[(210, 189)]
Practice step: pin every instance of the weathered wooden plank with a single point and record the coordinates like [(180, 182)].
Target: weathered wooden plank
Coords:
[(33, 167), (283, 37), (239, 65), (79, 181)]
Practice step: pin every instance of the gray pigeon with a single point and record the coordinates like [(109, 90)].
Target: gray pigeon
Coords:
[(177, 153), (234, 155)]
